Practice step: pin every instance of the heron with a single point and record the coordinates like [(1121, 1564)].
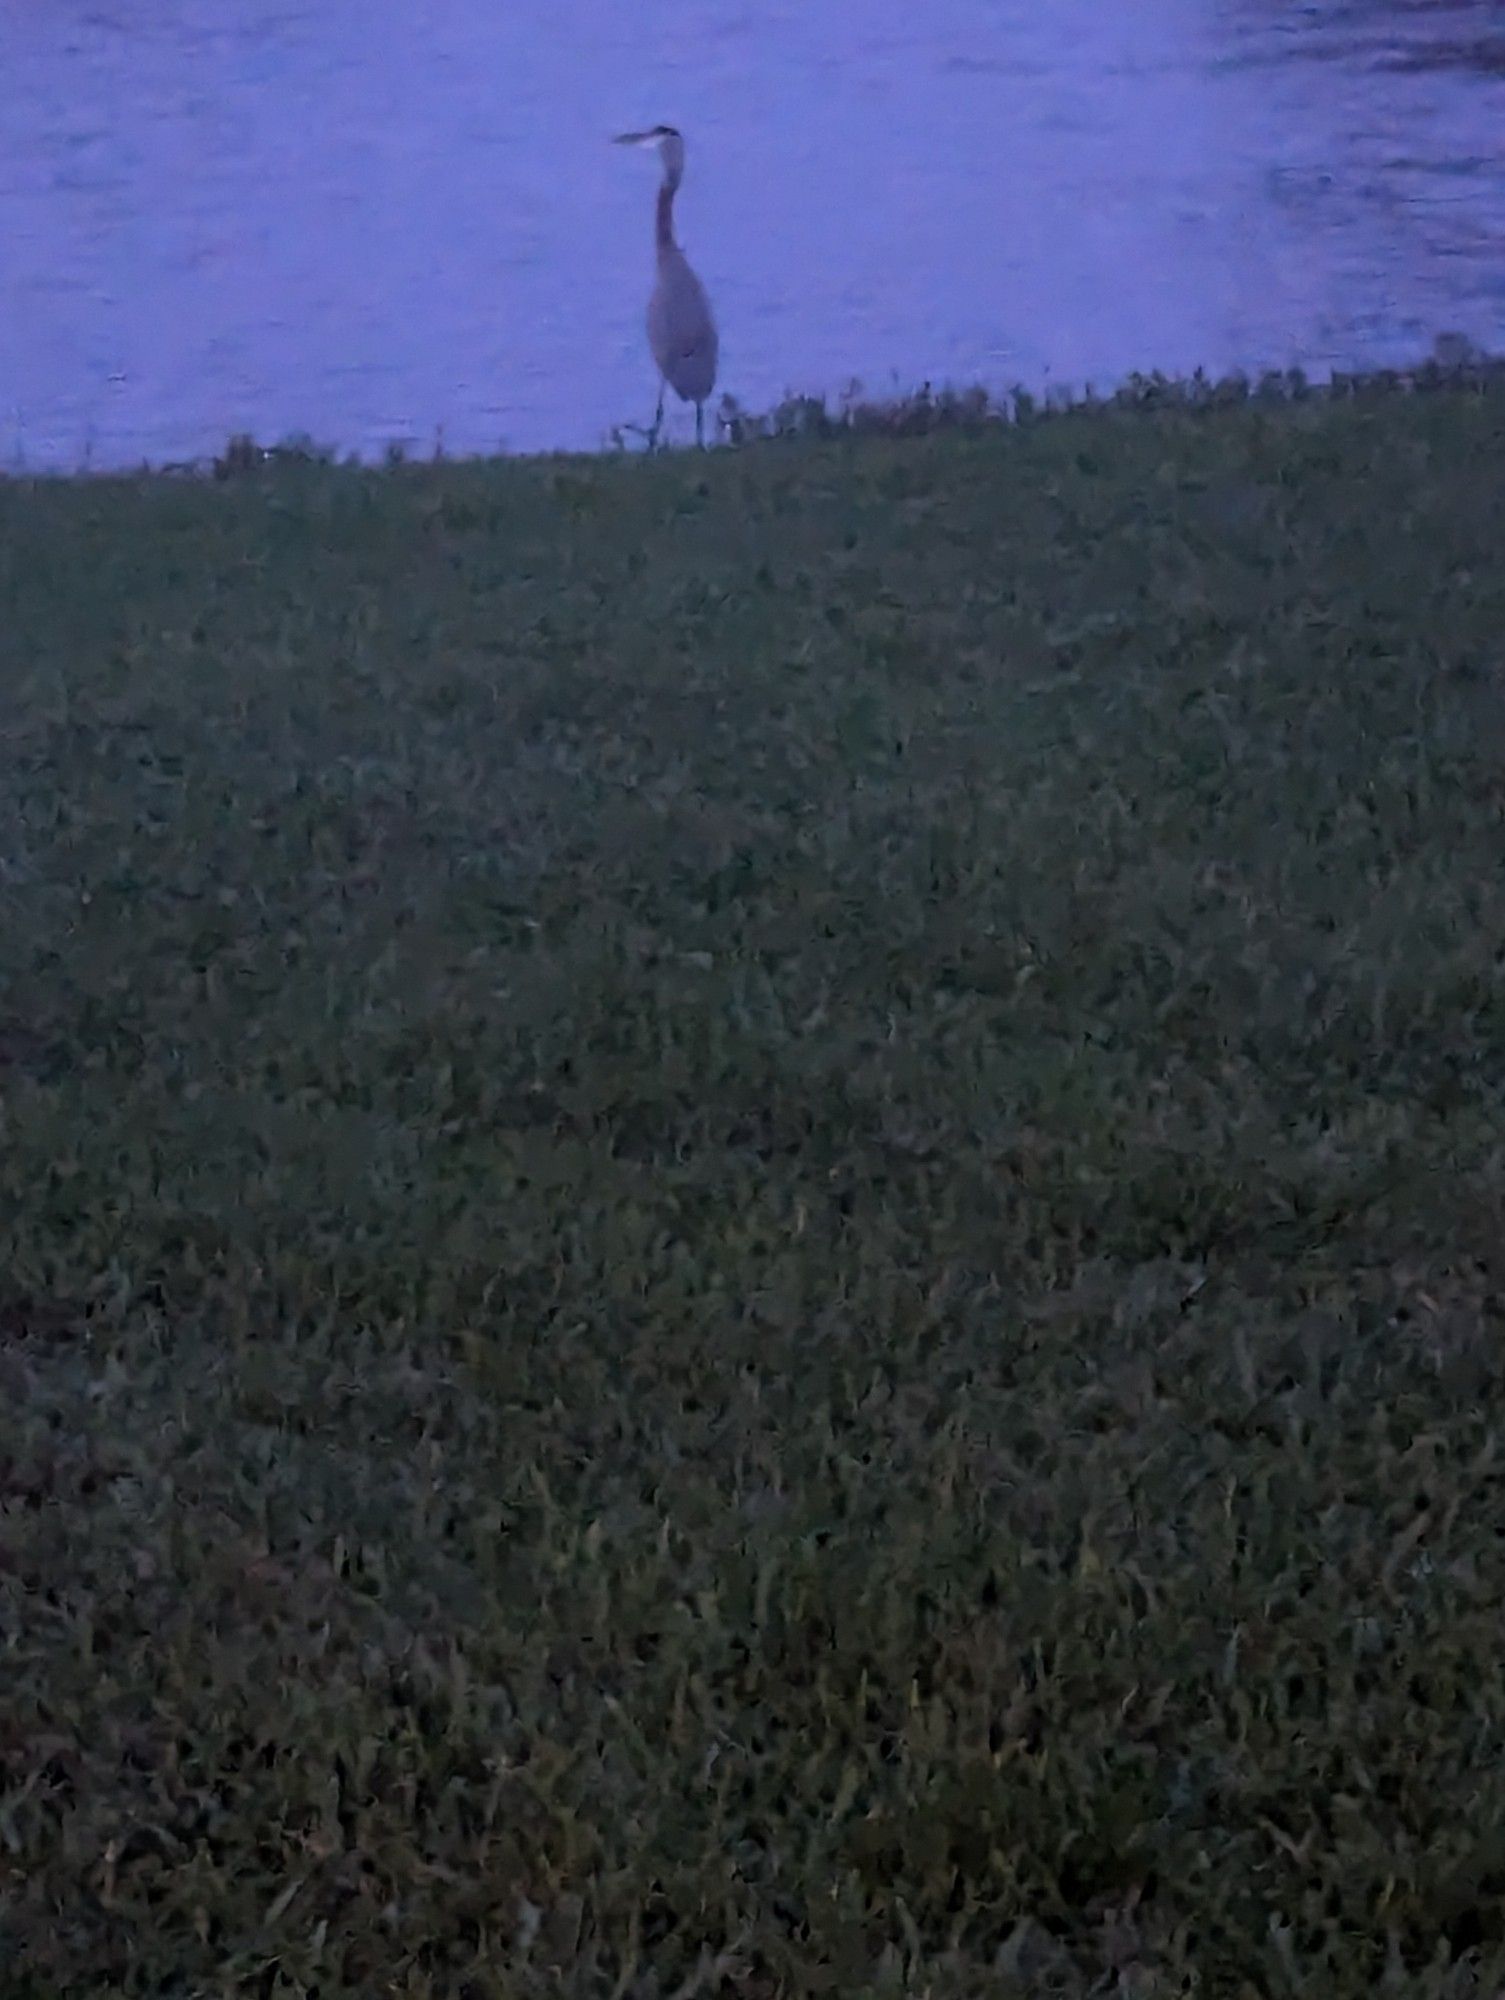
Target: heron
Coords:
[(681, 330)]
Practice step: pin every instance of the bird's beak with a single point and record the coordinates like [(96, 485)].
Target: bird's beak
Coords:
[(636, 139)]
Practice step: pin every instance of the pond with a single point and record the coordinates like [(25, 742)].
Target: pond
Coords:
[(374, 223)]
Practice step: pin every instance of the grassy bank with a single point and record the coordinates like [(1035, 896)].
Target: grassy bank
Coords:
[(750, 1219)]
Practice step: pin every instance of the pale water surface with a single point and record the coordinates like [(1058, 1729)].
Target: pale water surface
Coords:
[(398, 220)]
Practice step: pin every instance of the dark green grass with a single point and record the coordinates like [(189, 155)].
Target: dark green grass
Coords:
[(750, 1219)]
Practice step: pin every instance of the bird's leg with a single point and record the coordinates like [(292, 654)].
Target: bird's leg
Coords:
[(649, 434), (699, 421)]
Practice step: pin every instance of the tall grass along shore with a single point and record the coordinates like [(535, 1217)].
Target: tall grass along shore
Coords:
[(751, 1216)]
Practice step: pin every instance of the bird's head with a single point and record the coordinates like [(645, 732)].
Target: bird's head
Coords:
[(666, 142)]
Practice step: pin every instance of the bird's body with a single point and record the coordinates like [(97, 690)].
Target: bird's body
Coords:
[(681, 327)]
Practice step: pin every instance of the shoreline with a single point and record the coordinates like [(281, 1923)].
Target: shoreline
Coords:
[(1454, 364)]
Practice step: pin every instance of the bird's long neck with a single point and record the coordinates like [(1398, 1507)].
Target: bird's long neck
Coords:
[(663, 224)]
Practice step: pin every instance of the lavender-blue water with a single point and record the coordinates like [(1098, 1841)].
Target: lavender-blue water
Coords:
[(399, 220)]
